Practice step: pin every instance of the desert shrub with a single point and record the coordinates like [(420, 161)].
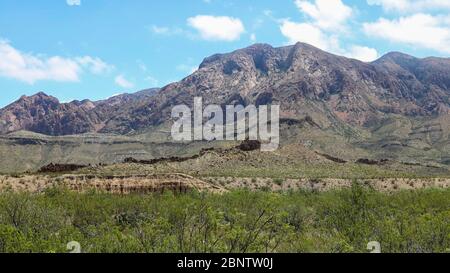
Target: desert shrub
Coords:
[(13, 241), (238, 222), (278, 181)]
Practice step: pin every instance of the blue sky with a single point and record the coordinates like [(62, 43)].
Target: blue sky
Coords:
[(76, 49)]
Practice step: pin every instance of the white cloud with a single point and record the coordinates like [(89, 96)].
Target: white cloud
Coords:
[(362, 53), (326, 21), (418, 30), (217, 28), (253, 38), (95, 65), (326, 14), (122, 82), (73, 2), (410, 5), (30, 68), (310, 34)]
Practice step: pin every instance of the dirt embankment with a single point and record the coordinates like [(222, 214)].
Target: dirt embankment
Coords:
[(177, 183), (180, 183)]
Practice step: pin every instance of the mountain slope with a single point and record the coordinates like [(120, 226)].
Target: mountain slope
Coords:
[(44, 114), (307, 81)]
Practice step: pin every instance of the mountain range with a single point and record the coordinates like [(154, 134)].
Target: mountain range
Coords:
[(347, 90), (395, 107)]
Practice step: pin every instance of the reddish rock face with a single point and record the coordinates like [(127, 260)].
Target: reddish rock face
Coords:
[(44, 114), (303, 79)]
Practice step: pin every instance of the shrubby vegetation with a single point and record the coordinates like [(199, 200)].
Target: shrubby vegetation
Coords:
[(238, 222)]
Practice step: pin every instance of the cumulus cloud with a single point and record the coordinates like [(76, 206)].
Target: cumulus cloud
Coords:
[(326, 14), (418, 30), (362, 53), (217, 28), (123, 82), (308, 33), (326, 22), (410, 5), (30, 68), (73, 2)]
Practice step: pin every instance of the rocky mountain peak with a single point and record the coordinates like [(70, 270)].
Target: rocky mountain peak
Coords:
[(395, 55), (38, 101), (40, 96)]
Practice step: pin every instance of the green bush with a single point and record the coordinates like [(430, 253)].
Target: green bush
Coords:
[(237, 222), (278, 181)]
